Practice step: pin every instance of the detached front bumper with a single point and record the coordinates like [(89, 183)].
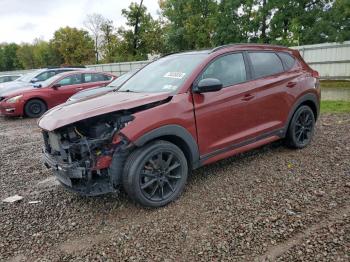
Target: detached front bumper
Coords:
[(79, 179)]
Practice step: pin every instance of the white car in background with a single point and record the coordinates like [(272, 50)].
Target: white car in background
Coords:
[(9, 78)]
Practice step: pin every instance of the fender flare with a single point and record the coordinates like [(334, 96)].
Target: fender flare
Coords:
[(177, 131), (305, 98)]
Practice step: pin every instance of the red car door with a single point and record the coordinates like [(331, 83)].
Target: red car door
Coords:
[(64, 88), (222, 117), (272, 93)]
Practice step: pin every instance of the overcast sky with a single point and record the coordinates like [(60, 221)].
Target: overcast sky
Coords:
[(25, 20)]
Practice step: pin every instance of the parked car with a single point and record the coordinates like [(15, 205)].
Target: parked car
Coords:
[(179, 113), (33, 101), (8, 78), (36, 76), (95, 91)]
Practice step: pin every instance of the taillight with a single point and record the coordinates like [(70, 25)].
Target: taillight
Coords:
[(316, 77), (315, 74)]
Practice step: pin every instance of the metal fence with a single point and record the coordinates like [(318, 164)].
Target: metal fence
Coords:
[(331, 60), (118, 68)]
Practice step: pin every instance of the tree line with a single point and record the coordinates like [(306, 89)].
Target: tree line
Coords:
[(184, 25)]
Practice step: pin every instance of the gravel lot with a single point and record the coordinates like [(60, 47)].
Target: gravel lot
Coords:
[(266, 205)]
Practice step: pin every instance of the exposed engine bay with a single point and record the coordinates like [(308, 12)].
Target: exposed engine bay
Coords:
[(81, 153), (88, 156)]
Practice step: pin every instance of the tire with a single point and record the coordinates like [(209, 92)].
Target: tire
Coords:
[(301, 128), (151, 163), (35, 108)]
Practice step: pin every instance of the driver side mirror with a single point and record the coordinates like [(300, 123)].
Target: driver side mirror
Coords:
[(55, 86), (208, 85), (34, 80)]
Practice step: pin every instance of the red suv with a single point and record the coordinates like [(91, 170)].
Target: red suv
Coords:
[(35, 99), (178, 113)]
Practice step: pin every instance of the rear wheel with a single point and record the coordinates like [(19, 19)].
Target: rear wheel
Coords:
[(155, 174), (301, 128), (35, 108)]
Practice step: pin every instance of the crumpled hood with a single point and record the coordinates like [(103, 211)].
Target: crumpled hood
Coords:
[(90, 92), (14, 87), (72, 112)]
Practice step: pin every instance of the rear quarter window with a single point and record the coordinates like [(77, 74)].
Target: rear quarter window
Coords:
[(287, 59), (265, 64), (107, 77)]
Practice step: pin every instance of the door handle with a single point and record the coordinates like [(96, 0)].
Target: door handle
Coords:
[(291, 84), (248, 97)]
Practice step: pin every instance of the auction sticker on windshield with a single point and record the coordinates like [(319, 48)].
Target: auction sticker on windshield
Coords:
[(177, 75)]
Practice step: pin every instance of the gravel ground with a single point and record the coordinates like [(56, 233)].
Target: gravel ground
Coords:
[(271, 204)]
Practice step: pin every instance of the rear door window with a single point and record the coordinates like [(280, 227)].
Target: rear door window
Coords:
[(70, 80), (106, 78), (3, 79), (88, 78), (265, 64), (287, 60), (229, 69), (12, 78)]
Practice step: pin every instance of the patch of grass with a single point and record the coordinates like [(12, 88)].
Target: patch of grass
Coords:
[(328, 106), (335, 83)]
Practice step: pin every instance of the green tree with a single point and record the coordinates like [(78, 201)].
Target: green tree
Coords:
[(228, 23), (192, 23), (301, 22), (2, 59), (74, 45), (331, 25), (25, 55), (45, 55), (8, 57), (110, 42), (144, 37)]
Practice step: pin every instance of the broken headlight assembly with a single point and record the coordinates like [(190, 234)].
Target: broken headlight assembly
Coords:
[(83, 152)]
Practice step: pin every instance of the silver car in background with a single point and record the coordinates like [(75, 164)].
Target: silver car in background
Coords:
[(9, 78)]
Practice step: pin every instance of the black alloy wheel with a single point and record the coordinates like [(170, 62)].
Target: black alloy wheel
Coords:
[(301, 128), (156, 174), (160, 176)]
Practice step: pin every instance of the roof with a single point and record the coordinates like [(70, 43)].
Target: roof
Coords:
[(236, 45), (250, 45), (84, 72), (11, 75)]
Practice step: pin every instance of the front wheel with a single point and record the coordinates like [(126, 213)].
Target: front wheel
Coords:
[(301, 128), (35, 108), (155, 174)]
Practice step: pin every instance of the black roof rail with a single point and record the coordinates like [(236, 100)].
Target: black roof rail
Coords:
[(236, 44), (167, 54), (221, 47), (58, 67), (74, 66), (187, 51)]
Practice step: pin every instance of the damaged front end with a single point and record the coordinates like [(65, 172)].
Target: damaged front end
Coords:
[(87, 156)]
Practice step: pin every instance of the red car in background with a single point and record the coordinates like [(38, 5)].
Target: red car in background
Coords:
[(34, 100)]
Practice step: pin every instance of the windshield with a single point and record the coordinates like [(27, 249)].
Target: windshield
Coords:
[(27, 77), (121, 79), (164, 75), (49, 81)]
